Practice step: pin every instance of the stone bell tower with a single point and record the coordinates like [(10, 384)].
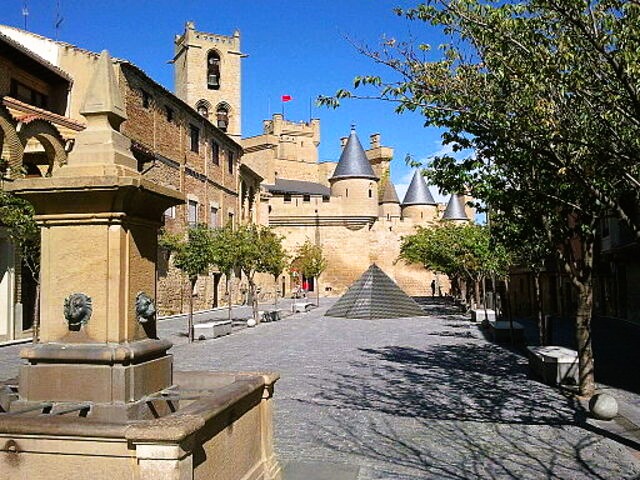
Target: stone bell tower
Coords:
[(207, 72)]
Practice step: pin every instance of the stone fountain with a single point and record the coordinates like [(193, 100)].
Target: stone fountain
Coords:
[(97, 397)]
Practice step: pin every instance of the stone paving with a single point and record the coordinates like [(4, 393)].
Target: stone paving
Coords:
[(413, 398)]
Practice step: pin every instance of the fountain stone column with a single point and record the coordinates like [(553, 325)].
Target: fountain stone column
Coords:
[(100, 222)]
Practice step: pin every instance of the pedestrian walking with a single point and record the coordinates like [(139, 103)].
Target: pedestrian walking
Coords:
[(433, 288)]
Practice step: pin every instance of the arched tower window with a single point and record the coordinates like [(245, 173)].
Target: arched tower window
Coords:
[(213, 70), (203, 107), (222, 117)]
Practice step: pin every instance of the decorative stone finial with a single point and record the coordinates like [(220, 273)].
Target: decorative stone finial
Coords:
[(103, 95), (101, 149)]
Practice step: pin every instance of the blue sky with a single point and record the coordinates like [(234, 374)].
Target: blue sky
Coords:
[(295, 47)]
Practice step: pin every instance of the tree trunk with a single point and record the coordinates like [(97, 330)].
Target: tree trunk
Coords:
[(275, 292), (228, 296), (542, 333), (577, 256), (587, 383), (36, 312), (476, 291), (192, 284), (254, 300), (509, 315)]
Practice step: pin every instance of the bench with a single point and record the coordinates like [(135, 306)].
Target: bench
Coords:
[(481, 314), (500, 331), (215, 329), (554, 365), (301, 306), (269, 315)]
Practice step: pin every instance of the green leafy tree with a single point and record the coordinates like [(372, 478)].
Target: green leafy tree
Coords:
[(224, 257), (251, 249), (193, 256), (17, 217), (464, 253), (259, 251), (310, 262), (545, 91), (275, 260)]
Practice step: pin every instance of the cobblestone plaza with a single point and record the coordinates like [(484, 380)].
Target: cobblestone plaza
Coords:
[(412, 398)]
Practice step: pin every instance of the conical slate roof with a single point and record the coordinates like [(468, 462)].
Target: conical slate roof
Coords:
[(389, 195), (353, 161), (455, 209), (418, 193), (375, 296)]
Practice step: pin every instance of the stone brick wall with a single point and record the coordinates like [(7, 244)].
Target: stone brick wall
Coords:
[(168, 159)]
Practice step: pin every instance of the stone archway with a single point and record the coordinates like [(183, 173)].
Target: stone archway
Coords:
[(49, 138), (10, 142)]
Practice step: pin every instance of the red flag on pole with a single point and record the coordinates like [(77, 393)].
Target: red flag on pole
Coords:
[(286, 98)]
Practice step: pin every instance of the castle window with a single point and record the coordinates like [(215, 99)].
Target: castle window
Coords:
[(203, 110), (306, 198), (194, 137), (287, 197), (213, 71), (325, 199), (215, 152), (146, 98), (230, 161), (346, 192), (231, 219), (222, 117), (192, 213), (213, 217), (169, 113), (370, 193), (170, 212)]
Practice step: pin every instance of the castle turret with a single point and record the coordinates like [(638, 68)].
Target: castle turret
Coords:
[(418, 204), (455, 211), (355, 180), (389, 203)]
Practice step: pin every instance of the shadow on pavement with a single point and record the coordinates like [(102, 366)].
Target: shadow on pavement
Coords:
[(474, 415)]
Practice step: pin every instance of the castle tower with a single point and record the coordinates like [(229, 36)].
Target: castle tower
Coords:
[(207, 72), (455, 211), (389, 203), (379, 156), (418, 204), (355, 180)]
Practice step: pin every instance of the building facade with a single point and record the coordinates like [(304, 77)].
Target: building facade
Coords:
[(350, 207), (176, 145)]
